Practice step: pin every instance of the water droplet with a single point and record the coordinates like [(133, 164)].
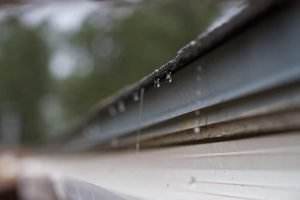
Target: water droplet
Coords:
[(141, 108), (193, 42), (136, 96), (121, 106), (169, 77), (180, 51), (112, 111), (197, 130), (157, 83)]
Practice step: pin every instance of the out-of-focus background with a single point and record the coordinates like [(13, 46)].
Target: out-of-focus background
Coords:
[(60, 58)]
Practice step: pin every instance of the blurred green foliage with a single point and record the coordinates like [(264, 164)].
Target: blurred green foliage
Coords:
[(23, 76)]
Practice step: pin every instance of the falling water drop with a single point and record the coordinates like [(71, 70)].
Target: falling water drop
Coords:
[(141, 108), (121, 106), (169, 77), (136, 96), (197, 129), (157, 83), (112, 111)]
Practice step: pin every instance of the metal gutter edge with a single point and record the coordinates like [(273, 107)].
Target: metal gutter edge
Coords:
[(194, 49)]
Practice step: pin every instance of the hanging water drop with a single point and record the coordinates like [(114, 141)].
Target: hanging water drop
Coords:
[(193, 42), (121, 106), (169, 77), (136, 96), (197, 130), (157, 83), (112, 111)]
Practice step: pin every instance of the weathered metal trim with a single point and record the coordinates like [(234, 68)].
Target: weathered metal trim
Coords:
[(257, 126), (200, 46), (242, 67), (272, 103)]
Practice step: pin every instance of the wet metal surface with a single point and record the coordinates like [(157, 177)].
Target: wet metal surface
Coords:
[(245, 65), (80, 52)]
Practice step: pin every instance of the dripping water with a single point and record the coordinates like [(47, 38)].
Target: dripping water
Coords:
[(169, 77), (157, 83), (121, 106), (199, 70), (136, 96), (157, 79), (197, 129), (141, 108)]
